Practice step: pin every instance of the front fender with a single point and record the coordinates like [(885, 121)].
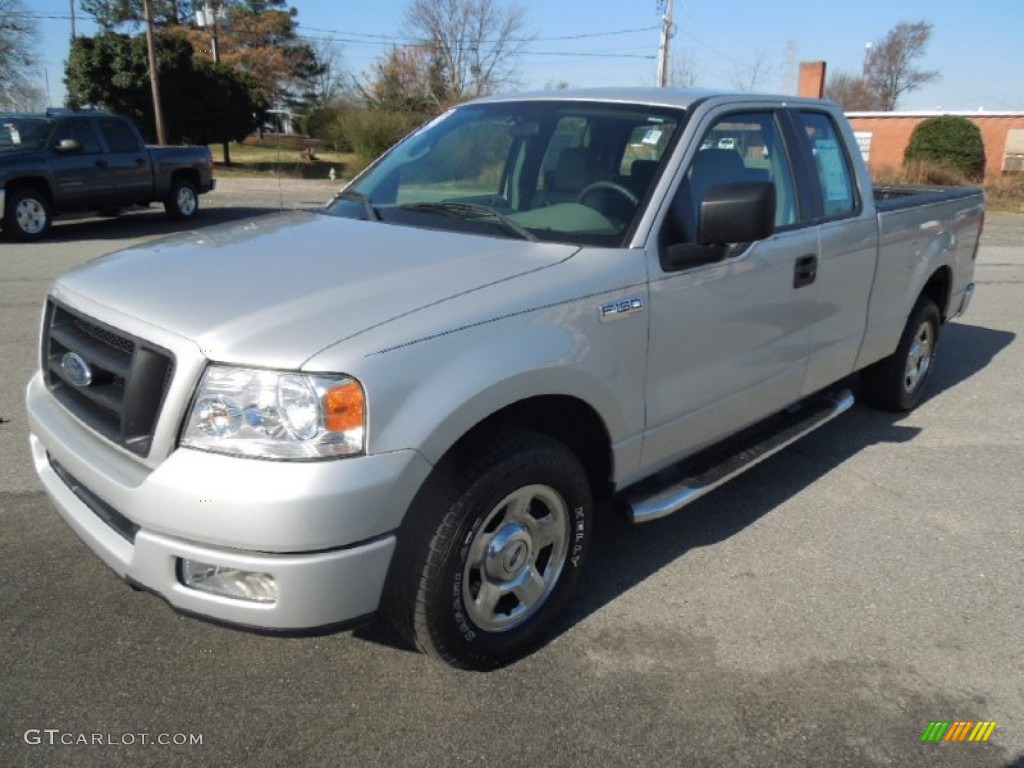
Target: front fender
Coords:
[(482, 371)]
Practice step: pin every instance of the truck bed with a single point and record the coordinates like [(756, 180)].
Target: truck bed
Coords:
[(892, 197)]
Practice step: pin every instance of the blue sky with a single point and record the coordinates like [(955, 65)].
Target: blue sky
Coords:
[(605, 42)]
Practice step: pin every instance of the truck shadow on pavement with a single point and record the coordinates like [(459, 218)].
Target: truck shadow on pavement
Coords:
[(144, 223), (625, 555)]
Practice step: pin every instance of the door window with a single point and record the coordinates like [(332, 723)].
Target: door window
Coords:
[(739, 147), (80, 131)]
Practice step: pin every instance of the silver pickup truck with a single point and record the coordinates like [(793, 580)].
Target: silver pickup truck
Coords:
[(409, 402)]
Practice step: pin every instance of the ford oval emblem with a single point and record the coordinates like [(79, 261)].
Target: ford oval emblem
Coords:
[(75, 369)]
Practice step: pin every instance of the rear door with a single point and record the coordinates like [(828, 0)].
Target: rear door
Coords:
[(127, 162), (847, 247), (729, 340)]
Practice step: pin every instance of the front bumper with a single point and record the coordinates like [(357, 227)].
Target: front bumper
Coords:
[(324, 530)]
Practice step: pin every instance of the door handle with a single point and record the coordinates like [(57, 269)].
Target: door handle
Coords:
[(139, 161), (806, 270), (101, 163)]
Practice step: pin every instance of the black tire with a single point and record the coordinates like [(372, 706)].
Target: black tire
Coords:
[(509, 513), (27, 214), (899, 383), (182, 202)]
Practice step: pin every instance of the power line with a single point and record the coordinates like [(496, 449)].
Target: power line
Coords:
[(397, 39)]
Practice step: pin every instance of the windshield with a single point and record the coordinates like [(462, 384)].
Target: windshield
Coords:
[(24, 132), (562, 171)]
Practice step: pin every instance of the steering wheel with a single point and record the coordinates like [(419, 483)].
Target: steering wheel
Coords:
[(610, 185)]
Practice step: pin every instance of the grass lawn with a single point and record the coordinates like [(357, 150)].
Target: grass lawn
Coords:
[(286, 161)]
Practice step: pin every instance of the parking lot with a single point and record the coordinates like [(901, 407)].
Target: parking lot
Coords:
[(821, 610)]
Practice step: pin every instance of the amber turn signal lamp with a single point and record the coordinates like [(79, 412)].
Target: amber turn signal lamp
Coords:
[(344, 408)]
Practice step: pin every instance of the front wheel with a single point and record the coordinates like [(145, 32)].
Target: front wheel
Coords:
[(493, 550), (899, 382), (27, 215), (183, 202)]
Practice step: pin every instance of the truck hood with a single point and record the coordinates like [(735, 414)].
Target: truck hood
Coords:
[(276, 290)]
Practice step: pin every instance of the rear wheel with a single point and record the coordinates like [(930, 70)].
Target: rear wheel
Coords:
[(492, 551), (900, 381), (183, 202), (27, 215)]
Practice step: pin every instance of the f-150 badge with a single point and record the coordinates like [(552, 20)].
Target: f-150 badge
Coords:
[(621, 308)]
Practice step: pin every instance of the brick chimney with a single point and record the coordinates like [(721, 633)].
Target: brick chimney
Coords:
[(812, 79)]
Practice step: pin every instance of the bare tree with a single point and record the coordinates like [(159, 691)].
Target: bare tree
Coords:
[(683, 73), (889, 68), (328, 81), (749, 77), (853, 93), (17, 57), (405, 80), (474, 43)]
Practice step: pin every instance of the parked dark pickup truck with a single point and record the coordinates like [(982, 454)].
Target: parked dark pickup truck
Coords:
[(57, 163)]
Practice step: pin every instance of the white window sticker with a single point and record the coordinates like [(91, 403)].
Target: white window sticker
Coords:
[(832, 168), (652, 136)]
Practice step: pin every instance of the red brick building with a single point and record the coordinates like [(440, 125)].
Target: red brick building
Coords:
[(883, 136)]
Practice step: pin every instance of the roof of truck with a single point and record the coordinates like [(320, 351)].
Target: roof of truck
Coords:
[(667, 97)]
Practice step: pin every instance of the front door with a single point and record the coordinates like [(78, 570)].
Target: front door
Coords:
[(729, 340), (79, 174)]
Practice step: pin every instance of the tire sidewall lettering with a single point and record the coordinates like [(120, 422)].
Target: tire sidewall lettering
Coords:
[(572, 490)]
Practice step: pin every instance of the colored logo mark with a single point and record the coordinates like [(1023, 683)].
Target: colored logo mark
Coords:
[(958, 730)]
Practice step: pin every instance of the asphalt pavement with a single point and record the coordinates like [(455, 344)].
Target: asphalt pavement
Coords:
[(821, 610)]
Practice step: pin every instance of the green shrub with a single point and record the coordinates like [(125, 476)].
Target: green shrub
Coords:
[(950, 141), (324, 123), (371, 132)]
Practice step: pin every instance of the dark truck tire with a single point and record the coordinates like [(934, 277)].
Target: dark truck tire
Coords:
[(899, 382), (182, 202), (492, 550), (27, 216)]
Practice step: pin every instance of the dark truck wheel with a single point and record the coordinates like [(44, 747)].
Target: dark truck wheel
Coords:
[(27, 215), (899, 382), (183, 202), (493, 549)]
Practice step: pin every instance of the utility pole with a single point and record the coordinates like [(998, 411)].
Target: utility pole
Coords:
[(206, 17), (72, 19), (667, 32), (154, 77)]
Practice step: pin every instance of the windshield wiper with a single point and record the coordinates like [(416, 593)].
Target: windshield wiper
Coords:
[(372, 214), (473, 211)]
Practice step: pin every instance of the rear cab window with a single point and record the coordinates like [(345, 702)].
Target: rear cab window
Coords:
[(119, 137), (837, 193)]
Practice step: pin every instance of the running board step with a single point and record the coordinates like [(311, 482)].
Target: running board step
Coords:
[(674, 488)]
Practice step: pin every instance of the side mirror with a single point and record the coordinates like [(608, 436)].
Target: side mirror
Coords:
[(737, 213), (68, 145)]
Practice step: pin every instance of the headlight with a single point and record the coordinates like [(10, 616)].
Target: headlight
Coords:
[(276, 415)]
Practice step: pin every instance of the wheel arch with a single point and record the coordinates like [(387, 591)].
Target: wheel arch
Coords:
[(567, 419), (38, 183), (938, 288), (186, 174)]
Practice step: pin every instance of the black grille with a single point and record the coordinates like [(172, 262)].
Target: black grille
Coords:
[(124, 527), (129, 377)]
